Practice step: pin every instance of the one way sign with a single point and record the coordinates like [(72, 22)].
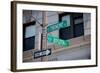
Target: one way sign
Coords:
[(42, 53)]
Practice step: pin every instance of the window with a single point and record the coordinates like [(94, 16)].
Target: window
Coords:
[(29, 36), (75, 25), (78, 30)]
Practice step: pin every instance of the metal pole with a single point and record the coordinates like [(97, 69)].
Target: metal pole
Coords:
[(44, 34)]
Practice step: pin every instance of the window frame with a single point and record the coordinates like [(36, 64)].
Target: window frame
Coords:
[(72, 22), (25, 25)]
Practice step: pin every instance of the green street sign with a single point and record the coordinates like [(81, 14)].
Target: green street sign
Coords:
[(55, 40), (57, 26)]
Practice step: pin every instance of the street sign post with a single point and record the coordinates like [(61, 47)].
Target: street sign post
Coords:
[(55, 40), (42, 53), (57, 26)]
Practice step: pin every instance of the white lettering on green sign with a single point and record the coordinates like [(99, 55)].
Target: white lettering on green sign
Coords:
[(58, 41), (57, 26)]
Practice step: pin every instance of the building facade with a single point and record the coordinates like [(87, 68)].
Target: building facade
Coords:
[(78, 32)]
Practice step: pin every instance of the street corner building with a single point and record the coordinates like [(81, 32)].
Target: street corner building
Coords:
[(56, 36)]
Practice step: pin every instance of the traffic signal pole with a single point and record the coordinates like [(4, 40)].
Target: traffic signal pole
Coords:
[(44, 34)]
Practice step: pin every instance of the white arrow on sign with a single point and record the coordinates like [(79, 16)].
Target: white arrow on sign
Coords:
[(47, 52)]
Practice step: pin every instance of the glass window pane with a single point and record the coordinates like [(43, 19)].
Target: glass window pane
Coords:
[(78, 30), (30, 31), (67, 18), (78, 21), (29, 43), (65, 33)]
